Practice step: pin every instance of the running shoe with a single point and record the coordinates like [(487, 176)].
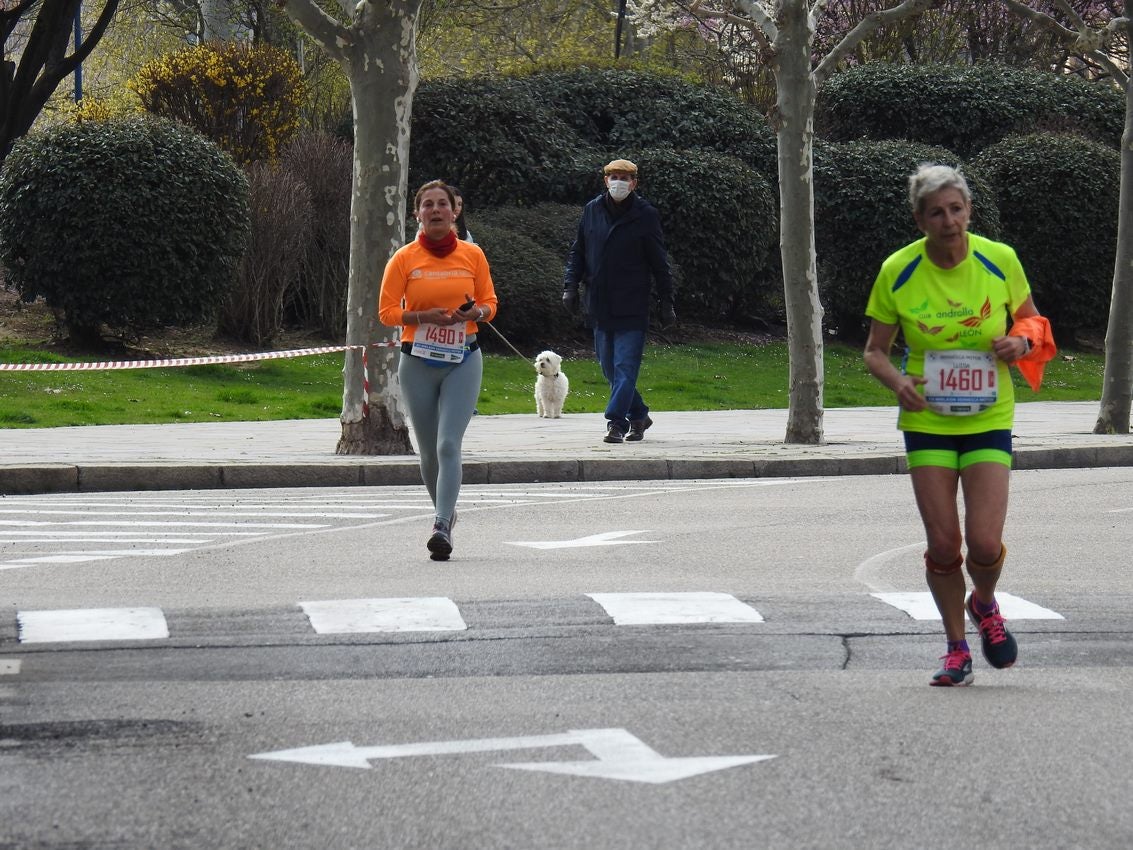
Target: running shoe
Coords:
[(998, 644), (956, 671), (440, 543)]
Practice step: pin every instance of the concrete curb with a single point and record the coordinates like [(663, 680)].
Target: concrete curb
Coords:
[(33, 479)]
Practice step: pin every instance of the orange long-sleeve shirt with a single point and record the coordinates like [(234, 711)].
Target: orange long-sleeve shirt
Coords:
[(416, 279)]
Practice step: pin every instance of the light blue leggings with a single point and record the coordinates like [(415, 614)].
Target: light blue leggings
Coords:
[(440, 401)]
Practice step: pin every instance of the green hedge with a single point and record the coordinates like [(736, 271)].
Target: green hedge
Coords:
[(720, 219), (862, 215), (963, 108), (1058, 196), (529, 284), (130, 222), (494, 139), (611, 109), (543, 138)]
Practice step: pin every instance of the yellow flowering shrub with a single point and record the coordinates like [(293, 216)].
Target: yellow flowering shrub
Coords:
[(245, 97)]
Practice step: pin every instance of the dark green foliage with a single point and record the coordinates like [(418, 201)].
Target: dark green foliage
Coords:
[(132, 222), (963, 108), (551, 226), (862, 215), (720, 221), (1058, 196), (540, 140), (613, 108), (529, 284), (495, 140)]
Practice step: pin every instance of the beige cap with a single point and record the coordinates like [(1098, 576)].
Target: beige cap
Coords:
[(621, 165)]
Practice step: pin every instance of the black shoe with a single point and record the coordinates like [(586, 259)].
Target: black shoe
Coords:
[(637, 429), (614, 434), (440, 543)]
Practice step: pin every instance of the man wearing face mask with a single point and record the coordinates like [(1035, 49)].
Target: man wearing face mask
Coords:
[(619, 253)]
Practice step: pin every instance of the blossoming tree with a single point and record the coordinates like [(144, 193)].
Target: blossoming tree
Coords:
[(374, 41), (784, 32)]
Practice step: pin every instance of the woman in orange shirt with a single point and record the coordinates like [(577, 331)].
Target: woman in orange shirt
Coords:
[(436, 289)]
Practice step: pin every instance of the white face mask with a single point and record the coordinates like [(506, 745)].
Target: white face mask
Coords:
[(619, 189)]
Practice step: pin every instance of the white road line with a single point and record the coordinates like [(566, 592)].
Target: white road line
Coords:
[(920, 606), (91, 624), (116, 538), (52, 559), (9, 666), (413, 614), (122, 535), (643, 609), (191, 513), (162, 524), (864, 572)]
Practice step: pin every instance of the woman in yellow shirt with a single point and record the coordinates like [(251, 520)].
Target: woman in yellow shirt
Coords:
[(950, 294)]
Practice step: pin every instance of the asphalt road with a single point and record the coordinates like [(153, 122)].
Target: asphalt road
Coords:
[(528, 709)]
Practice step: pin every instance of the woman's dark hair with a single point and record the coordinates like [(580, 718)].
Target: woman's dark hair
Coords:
[(461, 225)]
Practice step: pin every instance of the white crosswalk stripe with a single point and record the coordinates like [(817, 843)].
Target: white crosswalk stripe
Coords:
[(91, 624), (643, 609), (354, 616), (441, 614)]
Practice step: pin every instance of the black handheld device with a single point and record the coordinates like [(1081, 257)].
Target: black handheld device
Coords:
[(468, 305)]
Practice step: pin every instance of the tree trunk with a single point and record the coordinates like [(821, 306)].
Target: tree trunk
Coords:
[(795, 92), (383, 77), (1117, 381), (216, 20)]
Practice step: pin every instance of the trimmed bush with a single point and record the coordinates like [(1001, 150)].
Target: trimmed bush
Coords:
[(720, 219), (134, 222), (862, 215), (1058, 200), (281, 220), (494, 139), (529, 283), (615, 108), (245, 97), (963, 108), (550, 226)]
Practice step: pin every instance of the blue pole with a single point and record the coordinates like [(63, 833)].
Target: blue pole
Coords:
[(78, 41)]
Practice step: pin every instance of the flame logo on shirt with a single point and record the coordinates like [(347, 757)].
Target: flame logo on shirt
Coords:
[(925, 329), (976, 321)]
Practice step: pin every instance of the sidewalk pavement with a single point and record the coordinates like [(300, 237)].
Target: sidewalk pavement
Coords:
[(513, 449)]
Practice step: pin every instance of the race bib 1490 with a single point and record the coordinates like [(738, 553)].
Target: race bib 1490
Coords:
[(440, 344), (960, 382)]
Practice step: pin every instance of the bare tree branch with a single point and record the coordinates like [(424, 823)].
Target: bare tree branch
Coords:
[(867, 25)]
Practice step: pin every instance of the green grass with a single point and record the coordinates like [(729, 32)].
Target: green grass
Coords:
[(686, 377)]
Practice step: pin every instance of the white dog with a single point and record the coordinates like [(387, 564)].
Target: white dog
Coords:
[(551, 386)]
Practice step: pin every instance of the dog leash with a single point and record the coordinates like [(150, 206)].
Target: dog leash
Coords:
[(507, 341)]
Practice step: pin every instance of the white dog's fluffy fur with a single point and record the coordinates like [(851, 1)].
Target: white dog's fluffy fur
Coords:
[(551, 386)]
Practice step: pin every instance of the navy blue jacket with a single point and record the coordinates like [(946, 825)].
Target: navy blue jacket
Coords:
[(618, 257)]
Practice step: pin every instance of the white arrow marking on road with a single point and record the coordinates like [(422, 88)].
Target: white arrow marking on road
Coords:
[(620, 755), (606, 538)]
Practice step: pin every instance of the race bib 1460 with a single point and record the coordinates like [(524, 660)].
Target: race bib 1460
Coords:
[(960, 382)]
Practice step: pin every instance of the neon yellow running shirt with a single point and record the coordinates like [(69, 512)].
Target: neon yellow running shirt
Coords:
[(964, 307)]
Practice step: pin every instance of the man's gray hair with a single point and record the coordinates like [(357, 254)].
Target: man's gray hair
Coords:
[(932, 177)]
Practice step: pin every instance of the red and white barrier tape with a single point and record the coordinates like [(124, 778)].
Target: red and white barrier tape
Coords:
[(188, 361)]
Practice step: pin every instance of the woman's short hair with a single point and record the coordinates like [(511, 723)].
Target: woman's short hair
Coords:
[(932, 177), (434, 184)]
